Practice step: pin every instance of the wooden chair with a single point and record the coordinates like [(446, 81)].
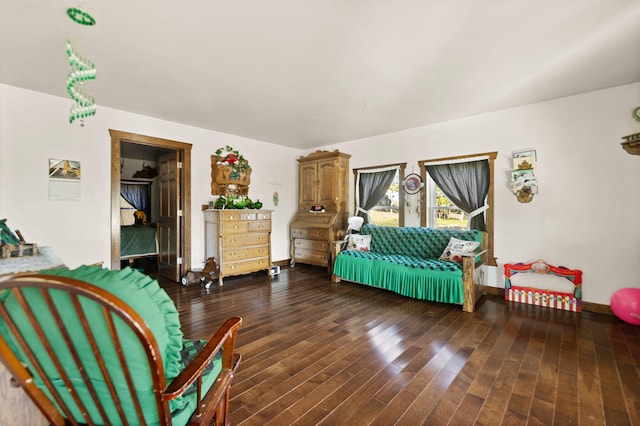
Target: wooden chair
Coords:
[(84, 356)]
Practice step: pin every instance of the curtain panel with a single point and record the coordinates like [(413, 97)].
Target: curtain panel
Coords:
[(371, 189), (467, 185), (138, 195)]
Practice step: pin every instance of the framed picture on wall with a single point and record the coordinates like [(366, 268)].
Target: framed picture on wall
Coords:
[(523, 160), (527, 153), (64, 180)]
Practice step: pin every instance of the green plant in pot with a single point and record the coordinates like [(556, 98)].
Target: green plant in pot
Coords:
[(220, 203)]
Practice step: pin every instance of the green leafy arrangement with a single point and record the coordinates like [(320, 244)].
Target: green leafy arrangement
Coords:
[(237, 203), (230, 157)]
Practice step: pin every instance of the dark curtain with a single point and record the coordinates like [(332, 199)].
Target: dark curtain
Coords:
[(371, 188), (138, 195), (467, 185)]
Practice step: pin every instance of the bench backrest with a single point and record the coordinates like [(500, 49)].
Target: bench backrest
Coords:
[(427, 243)]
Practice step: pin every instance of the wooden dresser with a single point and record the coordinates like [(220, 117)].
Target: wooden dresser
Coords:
[(239, 240), (323, 181)]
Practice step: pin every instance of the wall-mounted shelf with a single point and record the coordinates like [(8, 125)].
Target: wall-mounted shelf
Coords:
[(631, 143)]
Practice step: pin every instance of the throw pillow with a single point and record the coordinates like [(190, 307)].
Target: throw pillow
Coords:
[(456, 248), (359, 242)]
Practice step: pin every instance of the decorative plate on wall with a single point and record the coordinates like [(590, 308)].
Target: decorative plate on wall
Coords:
[(412, 183)]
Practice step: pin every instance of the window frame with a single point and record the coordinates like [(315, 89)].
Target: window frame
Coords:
[(491, 157), (401, 169)]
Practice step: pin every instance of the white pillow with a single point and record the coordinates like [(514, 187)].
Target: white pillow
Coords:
[(359, 242), (456, 248)]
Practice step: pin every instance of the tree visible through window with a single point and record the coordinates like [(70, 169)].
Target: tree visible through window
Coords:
[(444, 213), (387, 211)]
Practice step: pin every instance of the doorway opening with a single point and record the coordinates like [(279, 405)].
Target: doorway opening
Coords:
[(172, 204)]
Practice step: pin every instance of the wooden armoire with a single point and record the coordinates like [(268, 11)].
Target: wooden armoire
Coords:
[(322, 206)]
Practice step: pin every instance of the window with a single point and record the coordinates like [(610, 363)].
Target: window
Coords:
[(387, 211), (459, 193), (378, 196), (442, 212), (137, 194)]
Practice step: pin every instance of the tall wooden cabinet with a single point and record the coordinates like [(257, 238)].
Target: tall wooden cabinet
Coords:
[(323, 181), (240, 240)]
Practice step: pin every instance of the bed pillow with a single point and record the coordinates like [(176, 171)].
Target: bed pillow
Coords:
[(359, 242), (456, 248)]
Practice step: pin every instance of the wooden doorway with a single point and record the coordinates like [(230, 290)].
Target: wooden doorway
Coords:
[(178, 248)]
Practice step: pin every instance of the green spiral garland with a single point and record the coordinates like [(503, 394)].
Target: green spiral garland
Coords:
[(82, 70)]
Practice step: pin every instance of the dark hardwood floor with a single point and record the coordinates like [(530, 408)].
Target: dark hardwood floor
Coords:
[(346, 354)]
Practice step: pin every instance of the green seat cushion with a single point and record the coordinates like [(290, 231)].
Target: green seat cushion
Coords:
[(183, 407)]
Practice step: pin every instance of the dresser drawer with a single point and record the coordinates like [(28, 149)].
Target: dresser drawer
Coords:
[(244, 266), (245, 240), (232, 215), (310, 233), (314, 257), (233, 254), (260, 226), (235, 227), (256, 215), (311, 244)]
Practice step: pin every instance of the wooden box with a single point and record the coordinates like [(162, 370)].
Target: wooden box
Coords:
[(18, 250)]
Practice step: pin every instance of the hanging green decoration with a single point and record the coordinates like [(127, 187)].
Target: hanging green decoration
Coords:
[(82, 70), (81, 17)]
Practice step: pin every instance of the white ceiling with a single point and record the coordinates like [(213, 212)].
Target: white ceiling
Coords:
[(307, 73)]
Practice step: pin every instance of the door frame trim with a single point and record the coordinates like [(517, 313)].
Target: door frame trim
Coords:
[(117, 137)]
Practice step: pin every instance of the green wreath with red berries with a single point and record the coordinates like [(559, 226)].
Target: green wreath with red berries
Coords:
[(228, 156)]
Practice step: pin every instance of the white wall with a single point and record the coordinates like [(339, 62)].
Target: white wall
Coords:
[(586, 214), (34, 127)]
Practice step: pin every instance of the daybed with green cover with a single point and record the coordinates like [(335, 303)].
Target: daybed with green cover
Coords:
[(94, 346), (409, 261)]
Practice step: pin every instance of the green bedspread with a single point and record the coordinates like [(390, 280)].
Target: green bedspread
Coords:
[(138, 240)]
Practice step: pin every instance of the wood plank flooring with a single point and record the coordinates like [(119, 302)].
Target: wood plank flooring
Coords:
[(317, 353)]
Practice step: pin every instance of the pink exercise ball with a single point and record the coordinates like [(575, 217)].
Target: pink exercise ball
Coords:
[(625, 303)]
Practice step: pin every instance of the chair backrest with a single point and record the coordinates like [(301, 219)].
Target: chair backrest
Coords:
[(80, 352), (354, 223)]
